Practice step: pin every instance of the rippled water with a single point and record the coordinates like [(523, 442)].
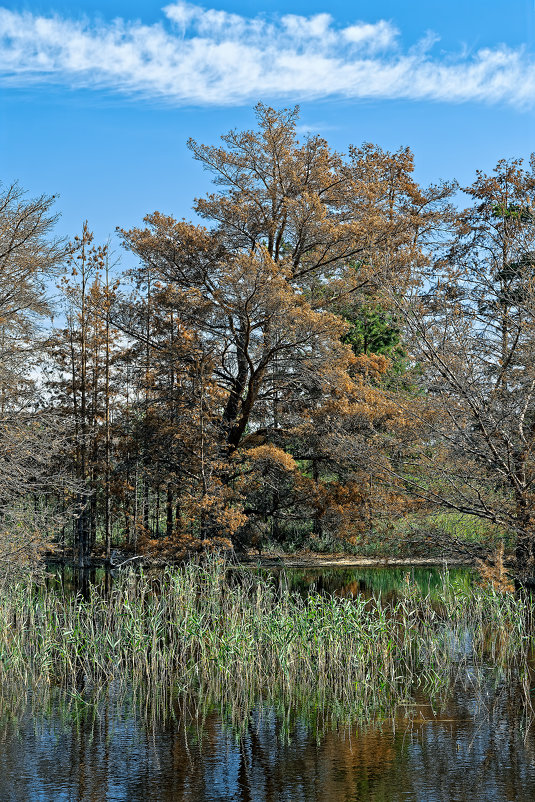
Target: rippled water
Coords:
[(467, 752), (479, 747)]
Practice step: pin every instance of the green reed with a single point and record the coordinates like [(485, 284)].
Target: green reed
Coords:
[(236, 637)]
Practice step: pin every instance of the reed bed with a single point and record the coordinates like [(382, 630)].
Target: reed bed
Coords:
[(242, 637)]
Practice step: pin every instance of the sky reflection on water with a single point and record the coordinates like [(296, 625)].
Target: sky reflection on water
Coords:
[(469, 751), (477, 748)]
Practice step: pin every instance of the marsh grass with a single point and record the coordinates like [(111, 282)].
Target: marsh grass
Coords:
[(234, 638)]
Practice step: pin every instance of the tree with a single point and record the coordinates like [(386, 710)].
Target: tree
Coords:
[(84, 387), (298, 234), (471, 324), (30, 438)]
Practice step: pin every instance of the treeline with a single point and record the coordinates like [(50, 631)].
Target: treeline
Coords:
[(336, 349)]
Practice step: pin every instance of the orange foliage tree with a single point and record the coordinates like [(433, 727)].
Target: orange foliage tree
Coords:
[(298, 236)]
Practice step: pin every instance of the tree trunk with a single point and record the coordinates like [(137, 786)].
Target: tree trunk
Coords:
[(525, 559), (169, 511), (146, 505), (316, 526)]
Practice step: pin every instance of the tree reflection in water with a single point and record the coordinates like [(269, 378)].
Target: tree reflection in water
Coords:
[(78, 746), (474, 749)]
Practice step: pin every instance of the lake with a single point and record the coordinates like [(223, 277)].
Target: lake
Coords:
[(78, 746)]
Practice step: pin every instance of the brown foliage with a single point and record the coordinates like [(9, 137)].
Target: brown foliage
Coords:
[(494, 573)]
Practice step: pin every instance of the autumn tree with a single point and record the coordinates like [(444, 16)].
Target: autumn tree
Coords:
[(82, 384), (297, 235)]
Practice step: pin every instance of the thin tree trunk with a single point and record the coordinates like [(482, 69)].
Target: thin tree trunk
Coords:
[(107, 439), (316, 525), (157, 522), (169, 511)]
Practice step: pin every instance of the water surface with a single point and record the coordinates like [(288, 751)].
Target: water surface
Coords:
[(478, 746)]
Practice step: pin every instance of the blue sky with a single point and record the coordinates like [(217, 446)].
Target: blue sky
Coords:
[(98, 98)]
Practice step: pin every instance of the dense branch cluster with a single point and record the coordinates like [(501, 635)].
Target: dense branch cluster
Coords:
[(338, 349)]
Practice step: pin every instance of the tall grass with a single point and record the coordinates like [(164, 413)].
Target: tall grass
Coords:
[(199, 631)]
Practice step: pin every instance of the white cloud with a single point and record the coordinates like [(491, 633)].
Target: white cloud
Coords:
[(204, 56), (380, 36)]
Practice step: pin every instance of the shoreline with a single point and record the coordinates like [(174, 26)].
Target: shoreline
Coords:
[(271, 560), (318, 560)]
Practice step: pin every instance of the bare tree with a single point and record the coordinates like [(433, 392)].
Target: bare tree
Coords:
[(29, 438), (470, 323)]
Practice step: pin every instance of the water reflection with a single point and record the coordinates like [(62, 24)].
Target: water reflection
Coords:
[(471, 750), (79, 747), (386, 582), (76, 580)]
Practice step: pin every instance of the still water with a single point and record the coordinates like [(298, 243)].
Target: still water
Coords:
[(477, 747)]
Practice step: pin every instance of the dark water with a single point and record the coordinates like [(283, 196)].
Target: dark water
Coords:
[(368, 581), (381, 581), (478, 747)]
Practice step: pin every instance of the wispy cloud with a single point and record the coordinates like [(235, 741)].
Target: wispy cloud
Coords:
[(204, 56)]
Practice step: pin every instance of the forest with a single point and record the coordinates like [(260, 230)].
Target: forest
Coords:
[(331, 357)]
